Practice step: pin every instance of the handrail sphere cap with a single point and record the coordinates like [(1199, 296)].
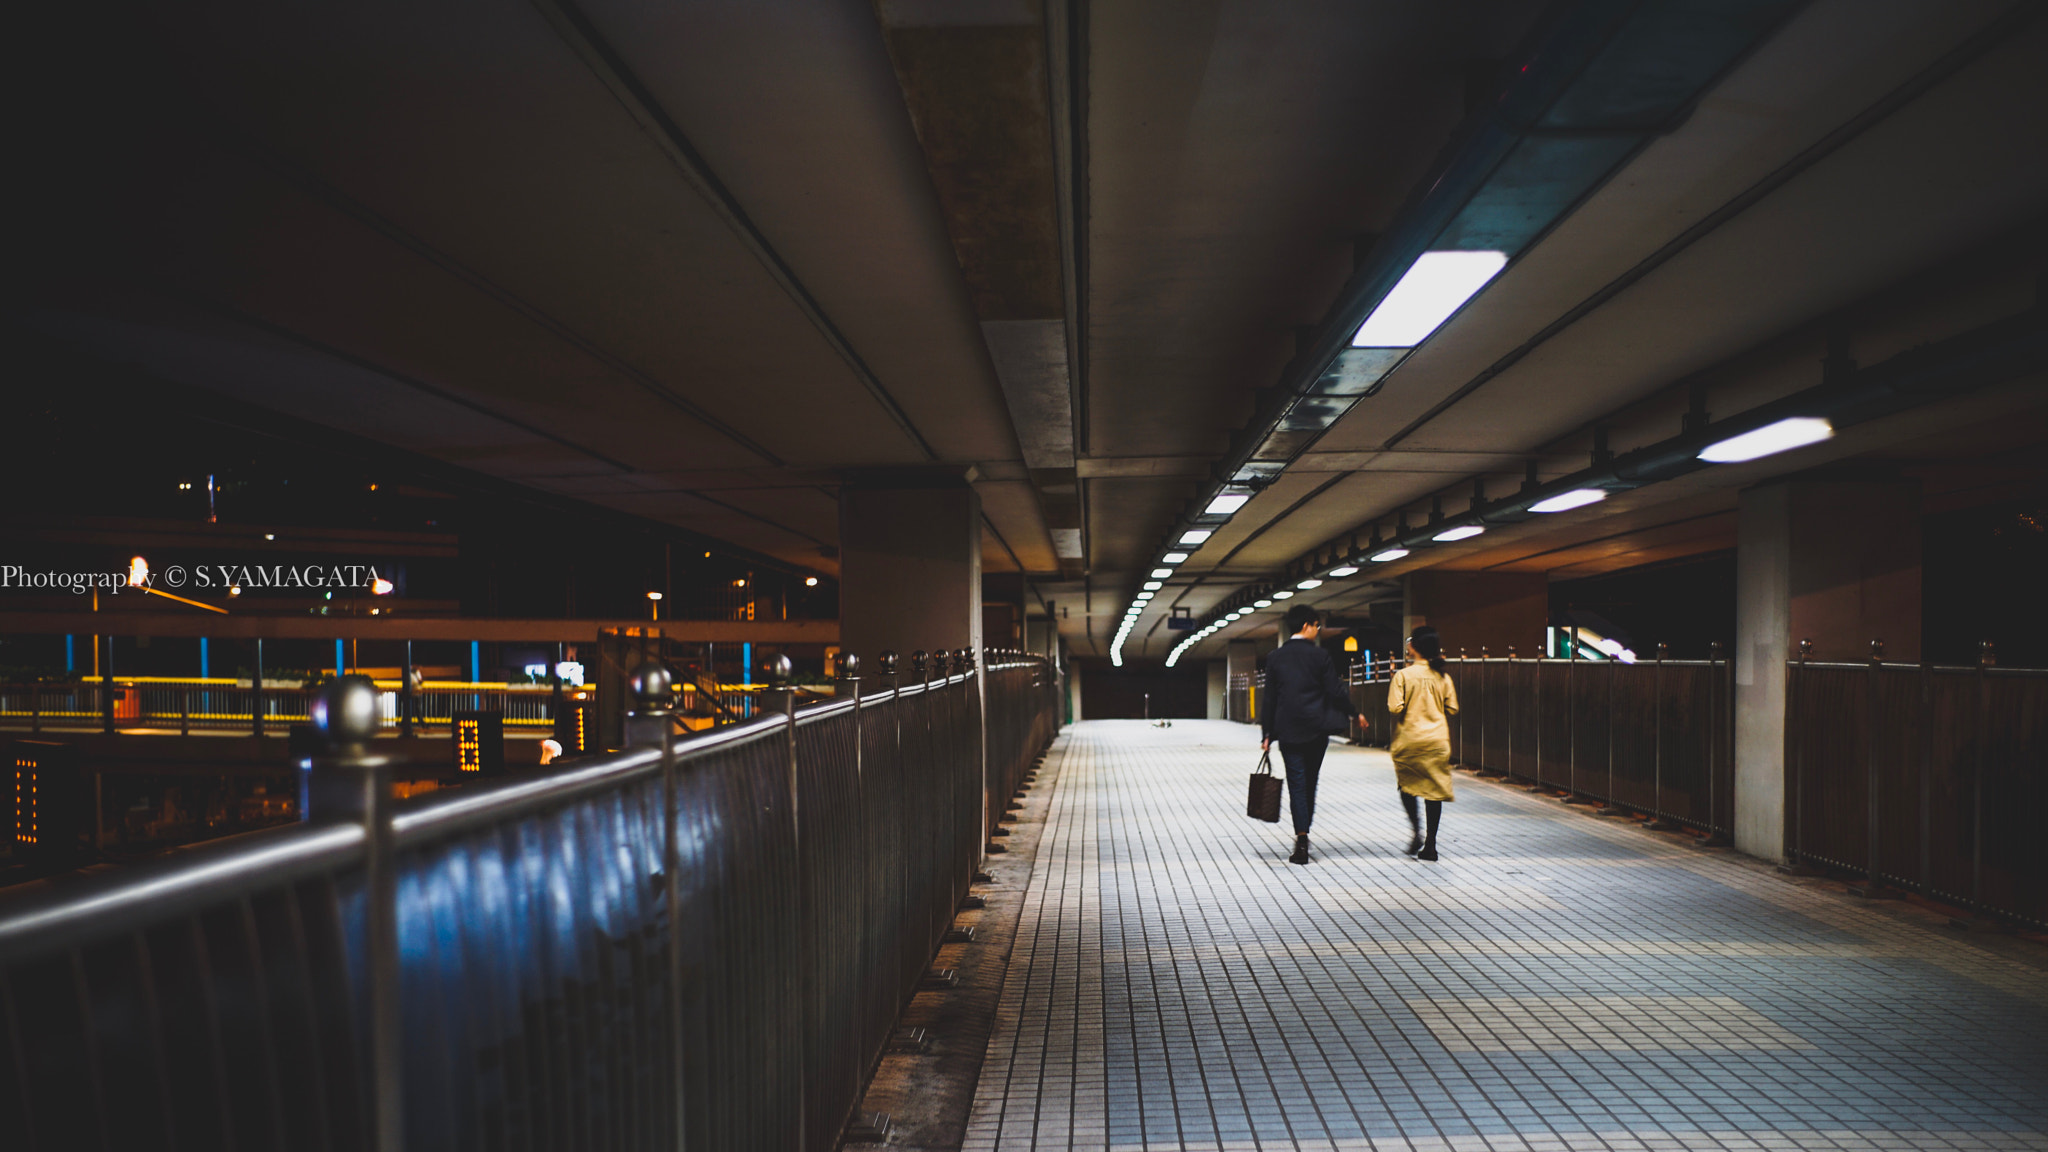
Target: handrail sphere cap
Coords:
[(346, 710), (651, 685)]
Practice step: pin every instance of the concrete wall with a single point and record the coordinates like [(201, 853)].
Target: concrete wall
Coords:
[(1832, 561), (1471, 610), (1219, 680)]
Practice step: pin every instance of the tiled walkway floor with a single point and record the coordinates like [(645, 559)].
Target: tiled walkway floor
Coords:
[(1556, 982)]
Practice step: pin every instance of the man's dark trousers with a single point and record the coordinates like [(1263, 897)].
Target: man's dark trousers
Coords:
[(1304, 763)]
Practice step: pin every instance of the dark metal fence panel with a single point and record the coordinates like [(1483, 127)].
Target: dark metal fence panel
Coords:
[(1828, 732), (1930, 779), (1553, 723), (1591, 686), (2014, 801), (560, 986)]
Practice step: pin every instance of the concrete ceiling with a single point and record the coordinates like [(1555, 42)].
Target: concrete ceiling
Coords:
[(701, 262)]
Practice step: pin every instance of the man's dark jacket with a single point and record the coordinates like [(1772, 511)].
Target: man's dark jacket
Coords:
[(1303, 701)]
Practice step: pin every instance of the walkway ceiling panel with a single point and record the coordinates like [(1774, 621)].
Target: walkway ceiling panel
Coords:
[(1817, 244), (798, 111), (1236, 151), (1011, 507)]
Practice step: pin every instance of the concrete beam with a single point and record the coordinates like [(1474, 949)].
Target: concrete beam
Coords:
[(403, 628)]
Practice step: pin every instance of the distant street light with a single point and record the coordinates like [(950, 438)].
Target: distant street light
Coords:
[(654, 604)]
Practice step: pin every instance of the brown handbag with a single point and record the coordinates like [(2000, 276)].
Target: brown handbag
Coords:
[(1263, 802)]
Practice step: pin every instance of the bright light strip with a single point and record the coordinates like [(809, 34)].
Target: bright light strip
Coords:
[(1283, 594), (1161, 573), (1226, 503), (1146, 595), (1262, 604), (1195, 535), (1463, 532), (1566, 501), (1785, 435), (1390, 554), (1434, 287), (1309, 583), (1173, 558), (1341, 572), (1152, 585)]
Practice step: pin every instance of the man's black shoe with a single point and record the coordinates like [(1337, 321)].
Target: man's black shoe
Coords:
[(1300, 850)]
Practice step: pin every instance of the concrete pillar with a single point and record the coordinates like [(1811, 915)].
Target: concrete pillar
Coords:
[(910, 569), (1832, 561), (1479, 609), (1219, 690), (1241, 658)]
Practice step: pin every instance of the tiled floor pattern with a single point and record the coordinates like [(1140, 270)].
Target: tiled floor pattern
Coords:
[(1556, 982)]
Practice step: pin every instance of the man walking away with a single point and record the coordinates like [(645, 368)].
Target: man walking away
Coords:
[(1305, 705)]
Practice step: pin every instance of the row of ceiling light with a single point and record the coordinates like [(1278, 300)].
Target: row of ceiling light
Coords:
[(1433, 289), (1780, 436)]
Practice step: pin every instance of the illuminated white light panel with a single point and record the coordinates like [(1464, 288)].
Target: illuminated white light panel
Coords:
[(1346, 570), (1195, 535), (1283, 594), (1390, 554), (1566, 501), (1434, 287), (1263, 604), (1161, 573), (1173, 557), (1225, 504), (1785, 435), (1153, 585), (1311, 582), (1463, 532)]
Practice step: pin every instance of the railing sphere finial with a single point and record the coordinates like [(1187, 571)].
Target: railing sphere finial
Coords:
[(1805, 650), (1876, 651), (778, 669), (919, 661), (849, 667), (345, 711), (651, 686), (1987, 654), (887, 660)]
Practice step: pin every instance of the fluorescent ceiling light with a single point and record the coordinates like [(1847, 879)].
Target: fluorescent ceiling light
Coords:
[(1436, 285), (1785, 435), (1341, 572), (1226, 503), (1161, 573), (1153, 585), (1145, 595), (1283, 594), (1463, 532), (1311, 582), (1566, 501), (1173, 557), (1263, 604), (1390, 554), (1195, 535)]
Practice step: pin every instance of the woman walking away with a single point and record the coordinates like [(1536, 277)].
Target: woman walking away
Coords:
[(1420, 699), (1305, 704)]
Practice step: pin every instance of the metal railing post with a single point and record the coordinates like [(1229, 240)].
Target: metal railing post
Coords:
[(184, 710), (1794, 727), (346, 782), (256, 693), (1874, 884), (35, 707), (1658, 820), (408, 700), (652, 722), (107, 686), (1987, 658), (1720, 742)]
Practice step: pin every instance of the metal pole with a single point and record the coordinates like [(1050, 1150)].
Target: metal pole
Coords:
[(256, 693), (1874, 884), (107, 688), (782, 698), (651, 722), (1794, 724), (184, 710), (407, 701), (1720, 742), (1987, 657), (1658, 820), (1926, 776), (345, 782)]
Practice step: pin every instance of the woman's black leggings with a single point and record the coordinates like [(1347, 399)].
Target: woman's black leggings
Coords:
[(1436, 813)]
